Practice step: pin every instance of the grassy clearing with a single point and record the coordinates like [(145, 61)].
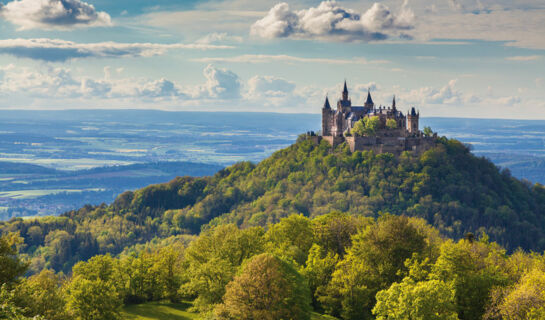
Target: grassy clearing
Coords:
[(173, 311), (158, 311)]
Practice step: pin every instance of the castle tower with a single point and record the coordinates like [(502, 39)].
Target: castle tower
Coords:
[(327, 113), (394, 105), (345, 92), (412, 119), (369, 104), (344, 105)]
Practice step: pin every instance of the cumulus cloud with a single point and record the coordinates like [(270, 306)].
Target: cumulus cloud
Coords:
[(268, 86), (220, 83), (60, 50), (447, 94), (52, 83), (330, 21), (53, 14)]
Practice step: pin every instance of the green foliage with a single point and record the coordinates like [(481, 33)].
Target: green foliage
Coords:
[(391, 124), (447, 186), (267, 288), (367, 126), (40, 295), (473, 269), (424, 300), (427, 132), (93, 299), (375, 261), (11, 266), (214, 258), (291, 238)]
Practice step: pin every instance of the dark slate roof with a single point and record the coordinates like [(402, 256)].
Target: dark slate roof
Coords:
[(413, 112), (360, 109), (369, 100), (326, 104), (345, 90)]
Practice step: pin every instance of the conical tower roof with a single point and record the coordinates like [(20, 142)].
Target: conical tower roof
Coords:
[(326, 103), (369, 99)]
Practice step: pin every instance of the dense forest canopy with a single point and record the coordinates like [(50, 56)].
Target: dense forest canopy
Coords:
[(349, 267), (446, 186)]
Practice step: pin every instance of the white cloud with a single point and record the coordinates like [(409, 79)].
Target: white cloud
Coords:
[(218, 37), (330, 21), (268, 86), (523, 58), (220, 83), (53, 14), (266, 58), (61, 50)]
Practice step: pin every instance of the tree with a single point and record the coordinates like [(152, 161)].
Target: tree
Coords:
[(425, 300), (267, 288), (391, 124), (527, 298), (473, 269), (11, 266), (291, 238), (93, 299), (427, 132), (319, 268), (367, 126), (375, 261), (214, 258), (40, 295)]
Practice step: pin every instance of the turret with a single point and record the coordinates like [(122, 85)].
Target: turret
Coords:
[(394, 105), (326, 118), (412, 121), (369, 104), (345, 92)]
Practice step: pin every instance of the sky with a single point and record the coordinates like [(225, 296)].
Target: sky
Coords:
[(448, 58)]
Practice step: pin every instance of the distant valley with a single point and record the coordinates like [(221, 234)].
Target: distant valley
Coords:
[(70, 158)]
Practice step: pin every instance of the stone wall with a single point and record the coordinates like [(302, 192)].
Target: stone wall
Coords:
[(394, 145)]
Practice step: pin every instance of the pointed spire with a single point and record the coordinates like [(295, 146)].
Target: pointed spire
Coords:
[(345, 91), (369, 99), (394, 104), (326, 103)]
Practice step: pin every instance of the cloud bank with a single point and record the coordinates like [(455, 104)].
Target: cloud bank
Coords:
[(53, 14), (330, 21), (56, 50)]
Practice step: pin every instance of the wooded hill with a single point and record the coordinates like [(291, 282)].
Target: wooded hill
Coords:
[(452, 189)]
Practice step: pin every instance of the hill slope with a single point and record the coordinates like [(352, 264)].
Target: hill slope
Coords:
[(448, 186)]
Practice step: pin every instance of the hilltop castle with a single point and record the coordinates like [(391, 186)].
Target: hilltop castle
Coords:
[(389, 131)]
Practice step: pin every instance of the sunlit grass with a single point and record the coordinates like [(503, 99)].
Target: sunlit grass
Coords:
[(174, 311)]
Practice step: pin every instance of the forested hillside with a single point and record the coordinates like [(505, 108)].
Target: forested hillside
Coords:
[(447, 186), (346, 266)]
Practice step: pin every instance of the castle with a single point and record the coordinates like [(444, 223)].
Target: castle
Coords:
[(370, 128)]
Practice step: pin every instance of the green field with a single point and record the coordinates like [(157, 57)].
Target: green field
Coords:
[(172, 311), (158, 310)]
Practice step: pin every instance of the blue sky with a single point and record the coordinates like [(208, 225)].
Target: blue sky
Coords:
[(464, 58)]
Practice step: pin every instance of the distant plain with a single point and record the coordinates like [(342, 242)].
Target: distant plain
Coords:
[(53, 161)]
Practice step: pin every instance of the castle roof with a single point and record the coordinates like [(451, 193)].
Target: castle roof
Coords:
[(413, 112), (326, 103), (369, 99), (345, 90)]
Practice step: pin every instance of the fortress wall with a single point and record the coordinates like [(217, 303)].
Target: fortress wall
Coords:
[(333, 141)]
